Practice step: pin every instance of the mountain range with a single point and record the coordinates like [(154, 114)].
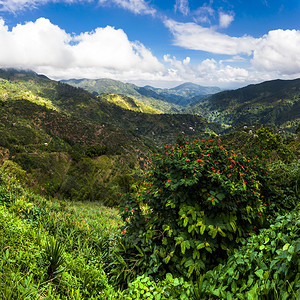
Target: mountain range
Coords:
[(74, 144), (166, 100), (274, 103), (81, 145)]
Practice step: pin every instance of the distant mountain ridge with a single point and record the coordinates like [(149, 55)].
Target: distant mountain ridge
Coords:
[(173, 99), (275, 102)]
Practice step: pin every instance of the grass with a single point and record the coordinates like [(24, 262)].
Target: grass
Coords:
[(53, 249)]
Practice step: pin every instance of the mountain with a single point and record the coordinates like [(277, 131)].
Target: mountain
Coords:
[(275, 102), (77, 145), (110, 86), (166, 100), (181, 95)]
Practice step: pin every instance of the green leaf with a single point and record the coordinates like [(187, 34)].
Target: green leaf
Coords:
[(183, 247), (185, 222), (259, 273), (286, 246), (176, 282), (232, 224), (202, 229), (200, 246)]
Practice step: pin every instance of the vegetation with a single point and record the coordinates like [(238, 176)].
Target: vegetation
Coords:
[(107, 86), (275, 103), (129, 103), (209, 218)]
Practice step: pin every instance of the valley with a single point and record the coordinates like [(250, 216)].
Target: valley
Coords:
[(113, 191)]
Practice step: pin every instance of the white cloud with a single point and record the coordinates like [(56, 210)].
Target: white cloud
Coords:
[(208, 72), (225, 19), (135, 6), (195, 37), (182, 6), (34, 44), (204, 14), (16, 5), (45, 47), (108, 52), (274, 55), (278, 51)]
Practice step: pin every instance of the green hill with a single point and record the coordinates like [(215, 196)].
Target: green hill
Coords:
[(275, 102), (110, 86), (167, 100), (74, 144), (129, 103)]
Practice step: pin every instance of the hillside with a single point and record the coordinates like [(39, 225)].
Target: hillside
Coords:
[(129, 103), (166, 100), (110, 86), (84, 105), (275, 102), (74, 144)]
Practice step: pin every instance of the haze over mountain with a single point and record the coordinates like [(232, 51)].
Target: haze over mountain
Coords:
[(166, 100)]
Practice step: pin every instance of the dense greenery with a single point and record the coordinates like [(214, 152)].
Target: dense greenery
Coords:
[(199, 202), (275, 103), (201, 226), (206, 218), (129, 103), (108, 86)]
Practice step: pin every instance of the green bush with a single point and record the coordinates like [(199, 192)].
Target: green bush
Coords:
[(199, 202), (266, 267)]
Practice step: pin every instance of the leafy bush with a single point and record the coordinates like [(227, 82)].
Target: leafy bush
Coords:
[(200, 201), (266, 267)]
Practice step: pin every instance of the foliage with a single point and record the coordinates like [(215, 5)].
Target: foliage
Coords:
[(257, 141), (267, 266), (41, 239), (129, 103), (275, 103), (53, 256), (200, 201)]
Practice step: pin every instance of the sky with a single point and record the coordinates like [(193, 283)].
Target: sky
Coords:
[(224, 43)]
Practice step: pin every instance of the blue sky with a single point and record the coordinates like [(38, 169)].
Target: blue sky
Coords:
[(163, 43)]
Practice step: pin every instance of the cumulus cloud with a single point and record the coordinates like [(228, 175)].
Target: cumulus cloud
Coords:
[(45, 47), (182, 6), (39, 43), (195, 37), (207, 72), (225, 19), (278, 51), (276, 54), (135, 6)]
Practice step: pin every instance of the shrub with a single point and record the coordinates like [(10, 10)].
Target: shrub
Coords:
[(200, 200), (266, 267)]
